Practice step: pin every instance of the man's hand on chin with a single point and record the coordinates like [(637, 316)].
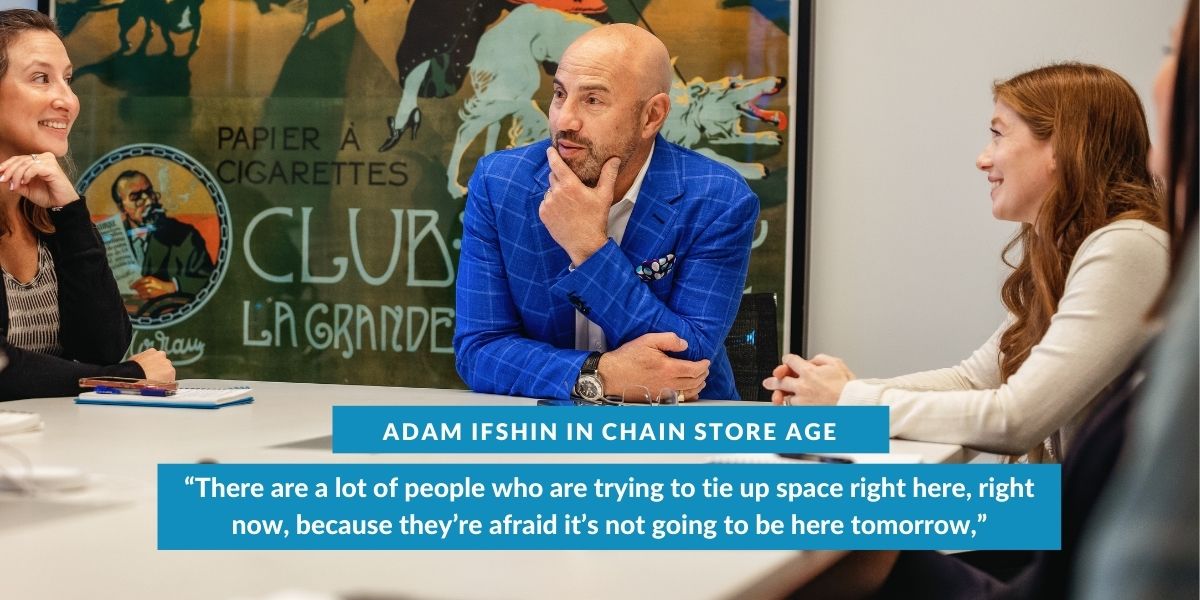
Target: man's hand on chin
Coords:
[(577, 215)]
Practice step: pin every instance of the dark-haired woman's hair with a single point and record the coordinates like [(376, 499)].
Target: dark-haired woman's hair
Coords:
[(1181, 183), (17, 21), (14, 23)]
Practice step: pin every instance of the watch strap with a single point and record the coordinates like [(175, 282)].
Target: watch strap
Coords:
[(589, 370), (590, 364)]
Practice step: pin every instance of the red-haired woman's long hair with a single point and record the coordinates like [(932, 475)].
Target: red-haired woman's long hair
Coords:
[(1097, 129)]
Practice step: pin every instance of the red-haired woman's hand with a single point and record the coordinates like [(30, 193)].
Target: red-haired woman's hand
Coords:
[(808, 382)]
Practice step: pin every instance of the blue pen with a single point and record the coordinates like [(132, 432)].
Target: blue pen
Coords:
[(103, 389)]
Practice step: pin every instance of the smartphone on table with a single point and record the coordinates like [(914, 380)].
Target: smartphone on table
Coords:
[(129, 385)]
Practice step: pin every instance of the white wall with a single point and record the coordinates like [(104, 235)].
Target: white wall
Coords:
[(904, 268)]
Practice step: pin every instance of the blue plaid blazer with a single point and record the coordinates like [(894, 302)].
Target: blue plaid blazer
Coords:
[(516, 295)]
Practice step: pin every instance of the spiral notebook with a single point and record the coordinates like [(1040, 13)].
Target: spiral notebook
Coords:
[(185, 397)]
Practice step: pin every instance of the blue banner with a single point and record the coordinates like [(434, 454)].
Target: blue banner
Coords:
[(607, 506), (533, 429)]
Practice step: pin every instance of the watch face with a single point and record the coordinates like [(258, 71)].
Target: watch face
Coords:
[(589, 388)]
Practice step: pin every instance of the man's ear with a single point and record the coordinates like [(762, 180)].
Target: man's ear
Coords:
[(655, 114)]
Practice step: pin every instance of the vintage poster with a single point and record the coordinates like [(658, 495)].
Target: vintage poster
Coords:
[(280, 183)]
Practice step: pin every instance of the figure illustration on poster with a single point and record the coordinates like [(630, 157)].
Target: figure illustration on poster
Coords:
[(711, 112), (165, 229), (170, 16), (505, 76), (172, 254), (432, 62), (315, 11)]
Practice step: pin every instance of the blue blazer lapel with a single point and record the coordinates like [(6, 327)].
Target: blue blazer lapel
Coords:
[(651, 226)]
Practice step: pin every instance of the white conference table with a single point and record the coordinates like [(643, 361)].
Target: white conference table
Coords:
[(101, 542)]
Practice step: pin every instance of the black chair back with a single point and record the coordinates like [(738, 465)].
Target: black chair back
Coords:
[(753, 345)]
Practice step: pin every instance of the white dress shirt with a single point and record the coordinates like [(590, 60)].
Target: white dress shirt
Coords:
[(588, 335)]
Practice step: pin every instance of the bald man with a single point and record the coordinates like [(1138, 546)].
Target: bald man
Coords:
[(604, 261)]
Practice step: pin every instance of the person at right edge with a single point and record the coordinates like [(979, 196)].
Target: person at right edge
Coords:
[(1142, 540)]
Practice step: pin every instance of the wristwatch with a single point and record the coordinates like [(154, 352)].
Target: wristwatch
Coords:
[(589, 386)]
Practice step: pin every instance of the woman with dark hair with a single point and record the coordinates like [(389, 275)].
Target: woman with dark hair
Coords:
[(1174, 160), (1142, 541), (1068, 160), (61, 316)]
